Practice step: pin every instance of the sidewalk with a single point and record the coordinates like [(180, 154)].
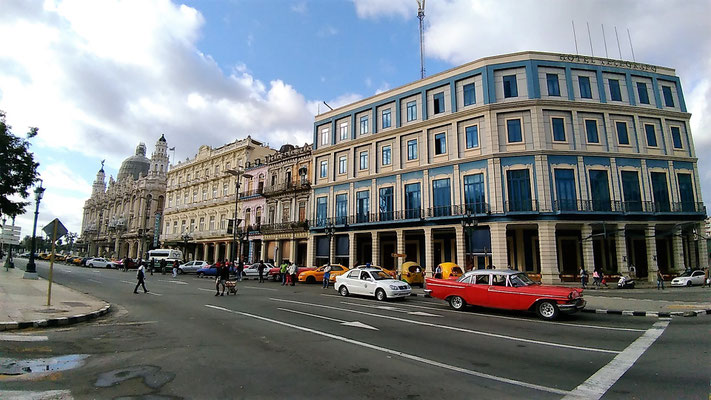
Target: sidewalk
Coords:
[(23, 303)]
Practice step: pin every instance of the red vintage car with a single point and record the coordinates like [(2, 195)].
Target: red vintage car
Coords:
[(506, 289)]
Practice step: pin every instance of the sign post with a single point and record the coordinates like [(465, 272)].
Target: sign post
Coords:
[(58, 230)]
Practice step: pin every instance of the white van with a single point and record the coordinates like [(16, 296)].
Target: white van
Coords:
[(169, 255)]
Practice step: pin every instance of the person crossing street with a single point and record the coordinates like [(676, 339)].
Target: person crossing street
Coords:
[(326, 275), (140, 275)]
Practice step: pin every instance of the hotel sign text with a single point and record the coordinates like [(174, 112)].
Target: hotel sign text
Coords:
[(607, 62)]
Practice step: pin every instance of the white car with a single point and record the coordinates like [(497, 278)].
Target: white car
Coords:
[(689, 278), (191, 267), (371, 282), (100, 263), (251, 271)]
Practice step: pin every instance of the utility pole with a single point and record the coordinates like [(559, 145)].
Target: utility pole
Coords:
[(421, 17)]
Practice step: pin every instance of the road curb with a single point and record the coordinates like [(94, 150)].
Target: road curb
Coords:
[(52, 322), (656, 314)]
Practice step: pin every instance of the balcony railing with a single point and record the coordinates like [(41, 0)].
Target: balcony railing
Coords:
[(291, 186), (283, 227), (627, 207), (250, 193), (521, 206), (472, 209)]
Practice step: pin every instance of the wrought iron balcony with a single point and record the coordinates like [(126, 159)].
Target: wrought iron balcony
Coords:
[(287, 187), (285, 227), (521, 206)]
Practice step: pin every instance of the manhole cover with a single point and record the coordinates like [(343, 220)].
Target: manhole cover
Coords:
[(74, 303)]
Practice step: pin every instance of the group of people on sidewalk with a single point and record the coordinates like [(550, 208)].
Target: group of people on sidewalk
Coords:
[(598, 278), (288, 273)]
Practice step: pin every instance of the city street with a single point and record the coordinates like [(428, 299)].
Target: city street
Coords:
[(270, 341)]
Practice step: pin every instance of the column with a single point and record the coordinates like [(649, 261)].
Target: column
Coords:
[(651, 242), (278, 257), (588, 251), (204, 253), (310, 248), (549, 252), (460, 244), (351, 250), (228, 251), (195, 257), (621, 246), (117, 247), (375, 247), (429, 252), (693, 246), (499, 255), (400, 247), (263, 250), (703, 250)]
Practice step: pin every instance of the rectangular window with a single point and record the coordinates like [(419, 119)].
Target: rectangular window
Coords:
[(440, 144), (344, 131), (565, 190), (510, 86), (660, 192), (585, 91), (212, 222), (364, 125), (469, 94), (386, 118), (591, 129), (225, 189), (214, 191), (387, 155), (324, 136), (472, 136), (642, 93), (513, 130), (324, 169), (600, 190), (553, 87), (558, 125), (411, 111), (195, 196), (686, 192), (630, 191), (341, 209), (622, 136), (651, 135), (519, 185), (412, 149), (385, 208), (412, 201), (342, 166), (474, 194), (362, 206), (668, 98), (441, 197), (321, 211), (615, 94), (363, 160), (676, 137), (438, 103)]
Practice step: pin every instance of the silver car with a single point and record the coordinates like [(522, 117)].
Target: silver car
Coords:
[(100, 263), (191, 267)]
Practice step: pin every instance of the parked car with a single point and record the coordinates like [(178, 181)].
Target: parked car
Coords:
[(251, 271), (449, 270), (412, 273), (689, 278), (275, 273), (84, 261), (390, 272), (371, 282), (211, 270), (316, 275), (506, 289), (191, 267), (100, 263)]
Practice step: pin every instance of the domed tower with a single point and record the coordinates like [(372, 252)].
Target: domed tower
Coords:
[(159, 159), (135, 166), (99, 185)]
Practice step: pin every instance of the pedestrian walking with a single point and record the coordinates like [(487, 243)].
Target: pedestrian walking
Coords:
[(660, 280), (125, 264), (707, 281), (292, 273), (282, 272), (583, 277), (326, 275), (152, 265), (220, 279), (596, 278), (162, 266), (240, 268), (140, 275), (175, 268), (260, 270)]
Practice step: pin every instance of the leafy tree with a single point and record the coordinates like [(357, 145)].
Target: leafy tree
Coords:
[(18, 169)]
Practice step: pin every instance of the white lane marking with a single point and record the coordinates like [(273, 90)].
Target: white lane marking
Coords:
[(423, 314), (130, 283), (23, 338), (154, 293), (94, 280), (24, 395), (597, 385), (260, 288), (172, 281), (398, 353), (388, 308), (454, 328), (356, 324), (207, 290)]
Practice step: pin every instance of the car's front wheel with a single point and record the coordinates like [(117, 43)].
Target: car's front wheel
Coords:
[(380, 295), (180, 271), (688, 283), (91, 265), (547, 310), (457, 303), (200, 274), (343, 290), (310, 279)]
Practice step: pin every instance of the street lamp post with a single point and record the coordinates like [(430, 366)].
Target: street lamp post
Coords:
[(237, 173), (31, 270), (468, 222), (330, 231), (186, 238)]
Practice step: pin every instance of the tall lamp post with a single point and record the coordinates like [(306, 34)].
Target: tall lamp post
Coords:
[(31, 270), (237, 173), (468, 222), (330, 231), (186, 238)]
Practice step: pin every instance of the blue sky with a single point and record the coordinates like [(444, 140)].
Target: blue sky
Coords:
[(98, 77)]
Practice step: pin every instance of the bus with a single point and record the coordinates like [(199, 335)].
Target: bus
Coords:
[(169, 255)]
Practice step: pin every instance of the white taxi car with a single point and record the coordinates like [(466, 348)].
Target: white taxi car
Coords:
[(689, 278), (371, 282)]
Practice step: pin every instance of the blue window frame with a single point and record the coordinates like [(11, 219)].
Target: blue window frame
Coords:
[(510, 86), (341, 209), (668, 98), (412, 149), (630, 191), (622, 136), (660, 191), (676, 137), (386, 118), (553, 86), (364, 125), (472, 136), (321, 211), (519, 188), (474, 194), (615, 94), (651, 135), (387, 155), (469, 94), (558, 125), (591, 130), (324, 169), (363, 160), (600, 190), (686, 192), (342, 164), (440, 144), (413, 204), (513, 130), (642, 93), (411, 111), (362, 206), (441, 197), (565, 190), (438, 102), (385, 207), (584, 83)]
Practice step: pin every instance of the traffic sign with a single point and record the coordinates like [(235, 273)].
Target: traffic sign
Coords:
[(398, 255), (49, 229)]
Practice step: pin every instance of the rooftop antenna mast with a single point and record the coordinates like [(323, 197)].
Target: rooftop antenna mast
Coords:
[(421, 17)]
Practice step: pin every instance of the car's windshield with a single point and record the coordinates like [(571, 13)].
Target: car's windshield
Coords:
[(519, 280), (685, 274), (380, 275)]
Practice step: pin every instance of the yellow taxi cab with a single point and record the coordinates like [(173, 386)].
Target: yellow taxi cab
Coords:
[(317, 274), (447, 270), (412, 273), (43, 256)]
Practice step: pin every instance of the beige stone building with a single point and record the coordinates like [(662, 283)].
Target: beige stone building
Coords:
[(543, 162), (200, 198)]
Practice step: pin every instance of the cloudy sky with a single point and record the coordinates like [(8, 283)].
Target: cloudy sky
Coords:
[(99, 76)]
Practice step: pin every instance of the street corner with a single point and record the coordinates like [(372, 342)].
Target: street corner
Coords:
[(56, 321)]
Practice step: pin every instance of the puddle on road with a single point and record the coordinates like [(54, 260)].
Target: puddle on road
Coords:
[(9, 366), (152, 376)]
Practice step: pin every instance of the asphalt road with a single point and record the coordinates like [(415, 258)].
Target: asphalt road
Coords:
[(270, 341)]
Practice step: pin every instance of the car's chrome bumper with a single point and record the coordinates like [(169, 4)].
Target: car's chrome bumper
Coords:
[(398, 293), (570, 308)]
